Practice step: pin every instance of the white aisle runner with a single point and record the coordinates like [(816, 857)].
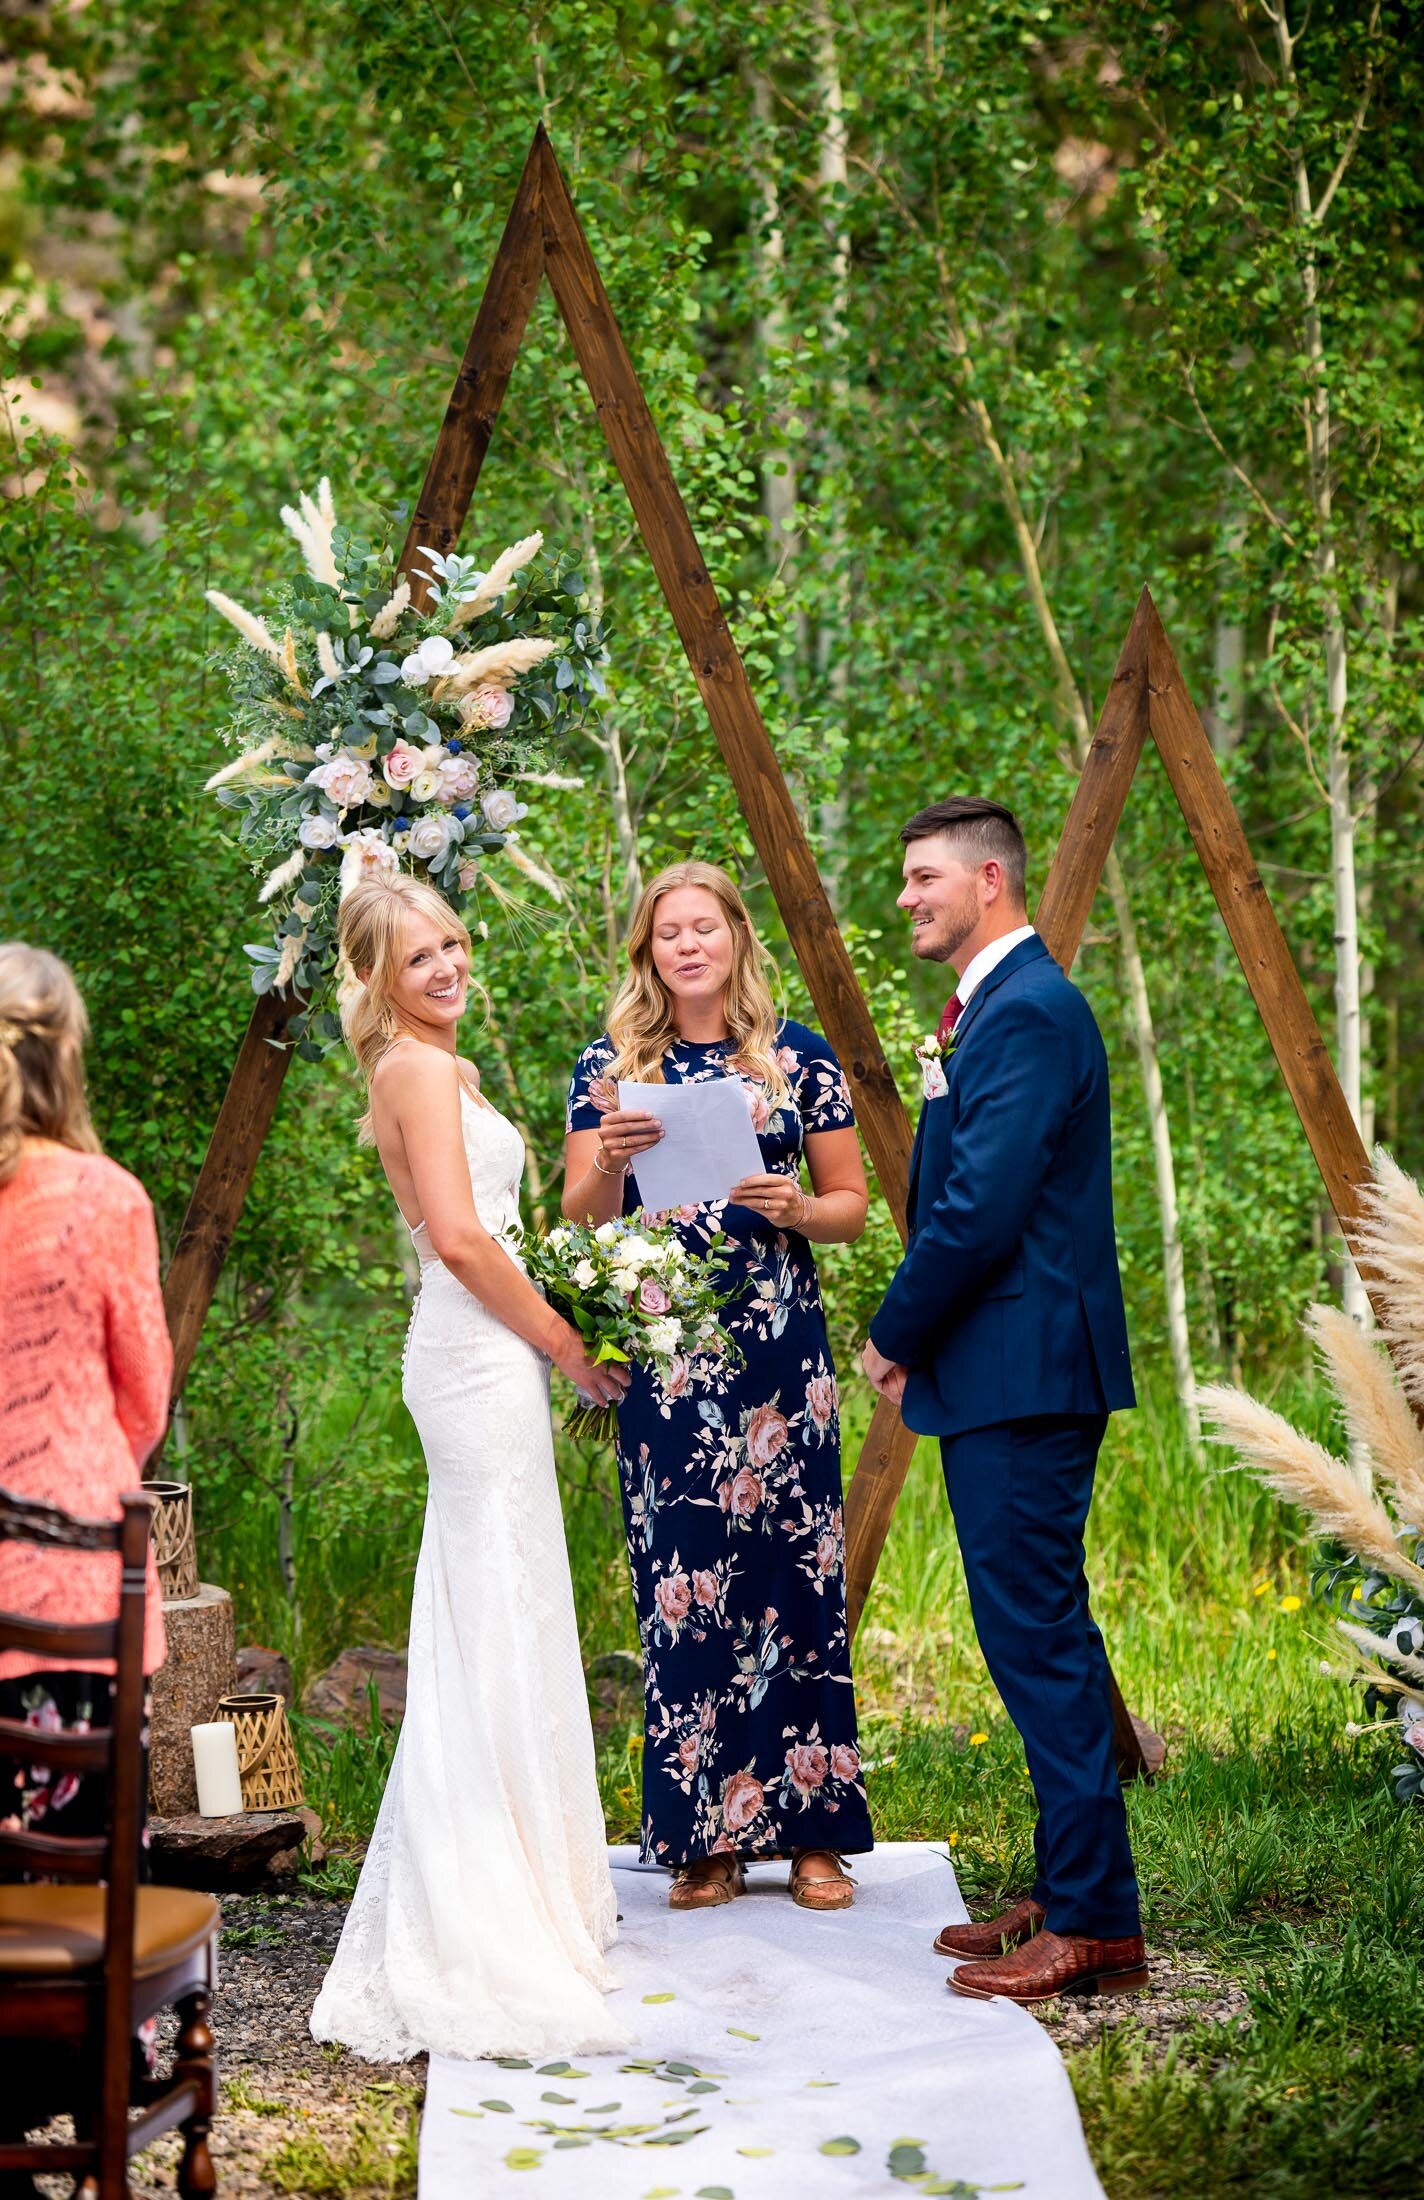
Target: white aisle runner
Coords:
[(780, 2056)]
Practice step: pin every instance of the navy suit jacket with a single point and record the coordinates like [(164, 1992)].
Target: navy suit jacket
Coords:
[(1008, 1301)]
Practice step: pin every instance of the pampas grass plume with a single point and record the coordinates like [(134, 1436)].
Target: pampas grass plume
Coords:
[(291, 955), (249, 626), (286, 874), (498, 578), (1390, 1232), (326, 656), (289, 662), (1309, 1476), (498, 665), (387, 619), (532, 871), (1377, 1414), (239, 764), (1379, 1646)]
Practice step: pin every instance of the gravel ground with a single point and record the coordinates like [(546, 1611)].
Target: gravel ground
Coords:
[(1185, 1990), (301, 2119)]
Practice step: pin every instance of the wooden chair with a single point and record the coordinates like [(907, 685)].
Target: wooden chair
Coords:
[(83, 1965)]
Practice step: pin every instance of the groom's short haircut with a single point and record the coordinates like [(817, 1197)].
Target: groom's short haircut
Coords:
[(976, 829)]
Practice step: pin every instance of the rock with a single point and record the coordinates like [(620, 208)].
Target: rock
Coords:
[(1152, 1745), (197, 1670), (341, 1694), (251, 1848), (263, 1672)]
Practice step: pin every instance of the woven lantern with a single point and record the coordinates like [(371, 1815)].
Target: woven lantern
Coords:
[(271, 1777), (173, 1545)]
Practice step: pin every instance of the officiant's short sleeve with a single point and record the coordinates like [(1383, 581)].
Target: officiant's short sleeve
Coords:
[(822, 1094), (582, 1113)]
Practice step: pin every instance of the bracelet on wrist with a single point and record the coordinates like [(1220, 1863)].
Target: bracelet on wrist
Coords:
[(616, 1174)]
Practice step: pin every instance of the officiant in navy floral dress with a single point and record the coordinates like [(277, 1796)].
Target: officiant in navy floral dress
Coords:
[(730, 1477)]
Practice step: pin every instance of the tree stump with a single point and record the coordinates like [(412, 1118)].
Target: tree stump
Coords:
[(186, 1688)]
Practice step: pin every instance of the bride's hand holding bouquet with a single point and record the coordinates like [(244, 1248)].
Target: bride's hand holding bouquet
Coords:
[(633, 1291)]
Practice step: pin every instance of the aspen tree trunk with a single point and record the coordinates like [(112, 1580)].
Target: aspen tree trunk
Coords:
[(833, 640), (779, 486), (609, 741), (1308, 215)]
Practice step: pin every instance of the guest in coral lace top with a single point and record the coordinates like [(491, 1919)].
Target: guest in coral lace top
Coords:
[(85, 1360)]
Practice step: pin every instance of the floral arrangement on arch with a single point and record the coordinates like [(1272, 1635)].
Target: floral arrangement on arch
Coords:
[(375, 736), (1370, 1506)]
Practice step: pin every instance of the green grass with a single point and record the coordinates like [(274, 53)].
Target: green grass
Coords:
[(1273, 1854)]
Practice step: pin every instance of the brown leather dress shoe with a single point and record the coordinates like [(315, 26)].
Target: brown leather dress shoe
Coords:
[(1055, 1963), (1019, 1922)]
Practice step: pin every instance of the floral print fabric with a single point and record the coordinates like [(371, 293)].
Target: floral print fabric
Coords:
[(732, 1503)]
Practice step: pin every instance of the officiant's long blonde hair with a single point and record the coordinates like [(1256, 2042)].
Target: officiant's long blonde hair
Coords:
[(370, 930), (642, 1023)]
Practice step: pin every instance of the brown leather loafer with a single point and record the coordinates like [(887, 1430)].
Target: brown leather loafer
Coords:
[(1018, 1923), (1055, 1963)]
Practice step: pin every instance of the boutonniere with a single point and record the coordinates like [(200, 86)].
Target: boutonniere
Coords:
[(932, 1053)]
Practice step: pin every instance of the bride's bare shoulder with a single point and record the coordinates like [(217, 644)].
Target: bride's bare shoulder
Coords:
[(410, 1070)]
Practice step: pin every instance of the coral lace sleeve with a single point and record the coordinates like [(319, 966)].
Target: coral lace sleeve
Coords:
[(140, 1354)]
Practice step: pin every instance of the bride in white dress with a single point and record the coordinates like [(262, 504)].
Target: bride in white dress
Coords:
[(485, 1902)]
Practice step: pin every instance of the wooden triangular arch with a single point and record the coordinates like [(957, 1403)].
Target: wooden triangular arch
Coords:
[(543, 236)]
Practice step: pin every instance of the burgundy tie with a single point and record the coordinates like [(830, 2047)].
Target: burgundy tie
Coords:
[(953, 1010)]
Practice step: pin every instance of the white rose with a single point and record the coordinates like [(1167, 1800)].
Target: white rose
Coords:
[(318, 832), (429, 838), (605, 1233), (663, 1337), (501, 810), (425, 786), (585, 1275), (559, 1238)]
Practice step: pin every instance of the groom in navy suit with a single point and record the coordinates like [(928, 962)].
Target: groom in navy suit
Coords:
[(1003, 1334)]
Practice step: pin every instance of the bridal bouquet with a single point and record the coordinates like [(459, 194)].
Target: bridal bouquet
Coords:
[(375, 736), (633, 1291)]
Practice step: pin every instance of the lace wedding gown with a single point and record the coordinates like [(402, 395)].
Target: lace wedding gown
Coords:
[(485, 1901)]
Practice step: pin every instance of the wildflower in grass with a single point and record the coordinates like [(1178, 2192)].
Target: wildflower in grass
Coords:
[(1290, 1604), (976, 1739)]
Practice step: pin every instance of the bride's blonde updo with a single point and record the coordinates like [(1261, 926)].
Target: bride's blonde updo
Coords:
[(642, 1023), (370, 932), (43, 1027)]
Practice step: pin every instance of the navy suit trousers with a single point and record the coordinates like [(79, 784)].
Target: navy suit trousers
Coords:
[(1019, 1492)]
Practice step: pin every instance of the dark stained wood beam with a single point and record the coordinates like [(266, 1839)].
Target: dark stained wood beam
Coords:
[(1259, 942), (1096, 810), (474, 405)]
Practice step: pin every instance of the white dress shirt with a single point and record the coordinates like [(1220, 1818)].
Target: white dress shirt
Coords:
[(989, 958)]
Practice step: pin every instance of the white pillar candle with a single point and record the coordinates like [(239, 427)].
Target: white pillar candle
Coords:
[(215, 1762)]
